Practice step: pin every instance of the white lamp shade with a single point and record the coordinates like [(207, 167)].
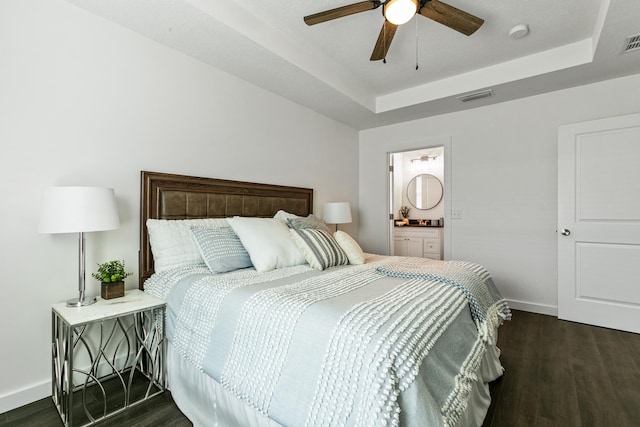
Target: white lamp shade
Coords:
[(78, 209), (337, 213)]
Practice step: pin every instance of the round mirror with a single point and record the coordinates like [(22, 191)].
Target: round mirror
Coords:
[(424, 191)]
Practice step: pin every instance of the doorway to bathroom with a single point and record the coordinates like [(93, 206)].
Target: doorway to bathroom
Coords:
[(418, 200)]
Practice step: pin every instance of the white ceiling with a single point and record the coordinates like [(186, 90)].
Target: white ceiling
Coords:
[(326, 67)]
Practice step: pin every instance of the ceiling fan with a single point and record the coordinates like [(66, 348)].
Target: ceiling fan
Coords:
[(398, 12)]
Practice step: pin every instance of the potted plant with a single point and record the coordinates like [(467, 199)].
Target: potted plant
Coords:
[(404, 211), (111, 275)]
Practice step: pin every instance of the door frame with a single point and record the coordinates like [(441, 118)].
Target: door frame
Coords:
[(444, 142)]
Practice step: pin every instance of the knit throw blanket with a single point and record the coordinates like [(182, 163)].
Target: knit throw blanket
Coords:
[(488, 308)]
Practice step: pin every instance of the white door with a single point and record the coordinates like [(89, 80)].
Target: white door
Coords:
[(599, 222)]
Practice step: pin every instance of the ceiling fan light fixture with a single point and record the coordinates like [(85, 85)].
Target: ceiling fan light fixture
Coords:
[(399, 12)]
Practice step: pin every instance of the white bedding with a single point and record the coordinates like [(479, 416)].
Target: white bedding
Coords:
[(207, 404), (215, 383)]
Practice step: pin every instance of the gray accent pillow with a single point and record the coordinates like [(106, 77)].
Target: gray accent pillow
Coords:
[(221, 249), (310, 222)]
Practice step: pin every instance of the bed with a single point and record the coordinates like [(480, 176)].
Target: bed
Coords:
[(272, 320)]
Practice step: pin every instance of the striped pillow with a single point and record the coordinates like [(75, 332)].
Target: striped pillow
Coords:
[(319, 248)]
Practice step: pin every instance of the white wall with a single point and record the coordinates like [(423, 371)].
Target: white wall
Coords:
[(504, 180), (86, 102)]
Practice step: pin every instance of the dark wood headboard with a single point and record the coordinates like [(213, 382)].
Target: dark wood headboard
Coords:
[(168, 196)]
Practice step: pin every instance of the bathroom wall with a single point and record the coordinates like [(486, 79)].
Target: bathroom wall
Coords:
[(405, 170)]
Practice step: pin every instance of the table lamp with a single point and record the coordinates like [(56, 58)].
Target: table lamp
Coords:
[(337, 213), (79, 210)]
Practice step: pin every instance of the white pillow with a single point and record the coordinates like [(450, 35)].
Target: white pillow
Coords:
[(268, 242), (350, 246), (172, 243)]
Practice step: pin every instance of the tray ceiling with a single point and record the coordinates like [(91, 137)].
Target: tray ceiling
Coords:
[(326, 67)]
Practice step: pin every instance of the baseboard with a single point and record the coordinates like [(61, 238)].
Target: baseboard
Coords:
[(25, 396), (41, 390), (550, 310)]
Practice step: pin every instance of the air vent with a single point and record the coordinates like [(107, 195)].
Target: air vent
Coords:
[(631, 43), (476, 95)]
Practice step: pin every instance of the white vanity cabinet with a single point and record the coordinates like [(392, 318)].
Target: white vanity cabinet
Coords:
[(408, 246), (425, 242)]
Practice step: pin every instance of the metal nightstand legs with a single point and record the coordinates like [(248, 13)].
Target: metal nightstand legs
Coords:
[(100, 368)]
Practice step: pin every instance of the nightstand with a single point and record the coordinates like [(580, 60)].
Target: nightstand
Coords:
[(106, 356)]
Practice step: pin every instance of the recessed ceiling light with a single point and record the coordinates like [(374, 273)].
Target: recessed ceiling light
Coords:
[(519, 31)]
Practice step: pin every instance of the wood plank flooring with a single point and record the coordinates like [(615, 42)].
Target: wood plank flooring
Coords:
[(557, 374), (562, 373)]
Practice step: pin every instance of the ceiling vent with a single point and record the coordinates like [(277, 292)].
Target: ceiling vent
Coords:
[(631, 43), (476, 95)]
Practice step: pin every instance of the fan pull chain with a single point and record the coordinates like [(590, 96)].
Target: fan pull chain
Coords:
[(384, 45), (417, 66)]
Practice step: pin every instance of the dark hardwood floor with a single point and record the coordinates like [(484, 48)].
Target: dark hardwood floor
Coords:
[(157, 411), (560, 373), (557, 374)]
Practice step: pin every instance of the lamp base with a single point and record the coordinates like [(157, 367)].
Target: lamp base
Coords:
[(77, 303)]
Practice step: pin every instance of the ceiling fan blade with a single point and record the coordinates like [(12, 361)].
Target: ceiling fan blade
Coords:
[(340, 12), (452, 17), (384, 41)]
